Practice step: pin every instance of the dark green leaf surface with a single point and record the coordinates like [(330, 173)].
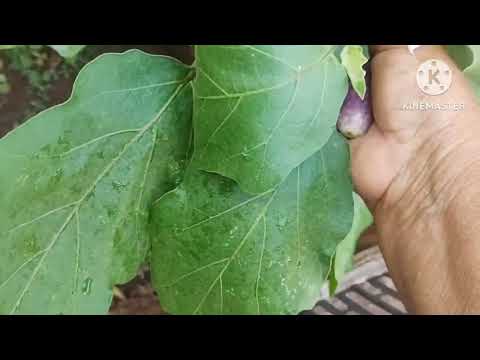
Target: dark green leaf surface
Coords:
[(467, 57), (260, 111), (463, 55), (77, 182), (472, 72), (218, 250)]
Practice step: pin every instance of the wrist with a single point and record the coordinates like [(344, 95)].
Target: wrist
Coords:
[(428, 229)]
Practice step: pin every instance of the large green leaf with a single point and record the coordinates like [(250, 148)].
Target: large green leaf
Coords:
[(77, 182), (218, 250), (261, 111)]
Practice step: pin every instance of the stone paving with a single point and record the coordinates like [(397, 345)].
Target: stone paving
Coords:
[(367, 290)]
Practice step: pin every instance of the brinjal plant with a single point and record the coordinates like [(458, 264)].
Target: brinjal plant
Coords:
[(228, 177)]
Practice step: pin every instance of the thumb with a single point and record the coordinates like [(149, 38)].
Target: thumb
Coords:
[(394, 84)]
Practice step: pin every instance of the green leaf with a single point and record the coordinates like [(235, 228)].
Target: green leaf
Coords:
[(261, 111), (77, 182), (218, 250), (473, 70), (346, 249), (67, 51), (461, 54), (467, 58), (353, 59)]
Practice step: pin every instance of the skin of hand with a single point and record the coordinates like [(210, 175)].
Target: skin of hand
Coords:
[(419, 172)]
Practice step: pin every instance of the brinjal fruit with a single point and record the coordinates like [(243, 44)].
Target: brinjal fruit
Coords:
[(356, 114)]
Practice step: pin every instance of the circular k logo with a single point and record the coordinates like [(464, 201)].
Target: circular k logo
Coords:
[(434, 77)]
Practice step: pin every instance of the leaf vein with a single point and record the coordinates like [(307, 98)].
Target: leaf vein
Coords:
[(209, 78), (271, 56), (77, 253), (197, 270), (38, 218), (235, 253), (143, 87), (236, 207), (223, 123), (106, 170), (299, 239), (248, 93), (322, 99), (260, 262), (142, 186), (277, 125), (21, 267), (93, 141)]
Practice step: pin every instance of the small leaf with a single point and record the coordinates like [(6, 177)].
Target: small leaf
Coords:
[(77, 182), (468, 59), (67, 51), (218, 250), (473, 70), (353, 59), (461, 54), (346, 249), (261, 111)]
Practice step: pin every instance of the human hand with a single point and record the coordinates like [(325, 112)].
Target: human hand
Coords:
[(419, 171), (398, 136)]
